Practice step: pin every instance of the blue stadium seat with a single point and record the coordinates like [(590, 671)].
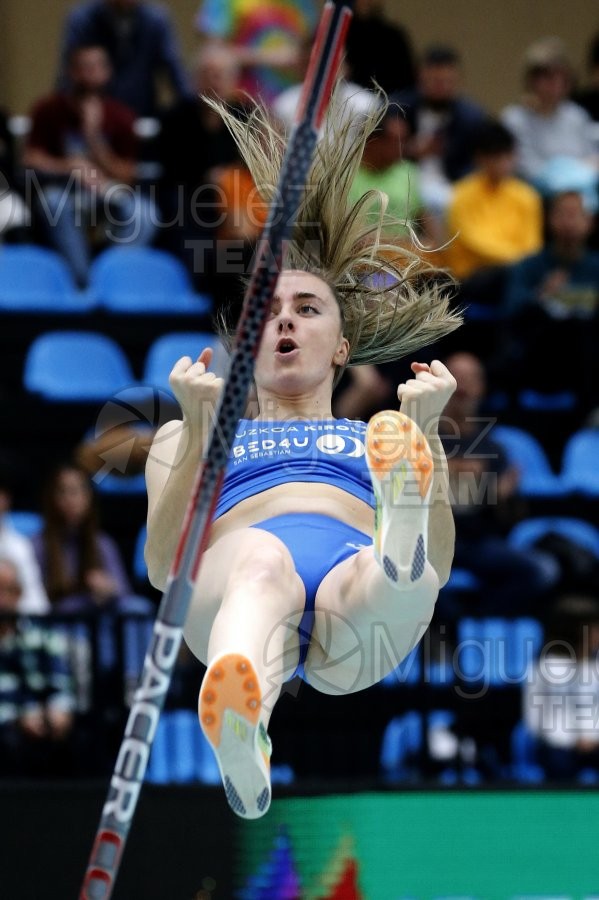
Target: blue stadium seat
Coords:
[(524, 451), (461, 580), (167, 349), (536, 401), (580, 469), (137, 624), (121, 485), (439, 671), (402, 740), (415, 669), (76, 366), (402, 746), (142, 280), (26, 522), (133, 408), (37, 279), (524, 764), (497, 652), (180, 752), (409, 671), (527, 532), (140, 570)]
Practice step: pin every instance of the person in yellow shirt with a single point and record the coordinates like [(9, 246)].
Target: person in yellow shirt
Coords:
[(493, 218)]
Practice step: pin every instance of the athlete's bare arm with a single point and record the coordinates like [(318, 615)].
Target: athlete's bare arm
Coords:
[(174, 459)]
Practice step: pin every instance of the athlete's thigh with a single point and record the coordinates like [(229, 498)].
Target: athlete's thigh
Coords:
[(241, 554), (363, 626), (339, 653)]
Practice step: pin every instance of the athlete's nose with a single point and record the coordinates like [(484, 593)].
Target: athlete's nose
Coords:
[(285, 323)]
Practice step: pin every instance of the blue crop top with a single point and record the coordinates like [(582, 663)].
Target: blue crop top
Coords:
[(266, 454)]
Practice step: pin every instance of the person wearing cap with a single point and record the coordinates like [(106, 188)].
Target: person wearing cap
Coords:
[(554, 136)]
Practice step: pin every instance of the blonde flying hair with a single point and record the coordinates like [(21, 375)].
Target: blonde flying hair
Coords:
[(392, 303)]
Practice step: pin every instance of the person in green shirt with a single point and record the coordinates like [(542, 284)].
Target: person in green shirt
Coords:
[(383, 168)]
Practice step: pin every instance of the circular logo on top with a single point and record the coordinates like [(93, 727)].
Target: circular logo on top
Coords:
[(334, 444)]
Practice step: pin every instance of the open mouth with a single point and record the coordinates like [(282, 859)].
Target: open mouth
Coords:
[(286, 345)]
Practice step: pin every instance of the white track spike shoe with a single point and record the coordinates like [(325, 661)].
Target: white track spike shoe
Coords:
[(401, 467), (229, 710)]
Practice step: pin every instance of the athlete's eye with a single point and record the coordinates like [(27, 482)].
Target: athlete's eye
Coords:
[(307, 307)]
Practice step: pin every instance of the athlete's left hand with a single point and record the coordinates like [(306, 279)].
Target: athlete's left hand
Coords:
[(423, 397)]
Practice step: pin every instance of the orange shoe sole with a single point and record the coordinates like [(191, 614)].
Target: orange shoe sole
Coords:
[(229, 708), (392, 437), (402, 468)]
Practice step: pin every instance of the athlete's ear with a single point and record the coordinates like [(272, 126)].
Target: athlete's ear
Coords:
[(342, 352)]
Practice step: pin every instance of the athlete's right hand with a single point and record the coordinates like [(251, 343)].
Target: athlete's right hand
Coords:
[(194, 387)]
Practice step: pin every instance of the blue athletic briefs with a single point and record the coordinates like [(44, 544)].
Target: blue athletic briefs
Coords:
[(317, 544)]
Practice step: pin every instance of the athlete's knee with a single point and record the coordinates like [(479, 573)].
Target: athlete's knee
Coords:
[(262, 558), (356, 574), (362, 563)]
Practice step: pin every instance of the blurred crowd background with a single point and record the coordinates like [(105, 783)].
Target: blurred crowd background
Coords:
[(126, 220)]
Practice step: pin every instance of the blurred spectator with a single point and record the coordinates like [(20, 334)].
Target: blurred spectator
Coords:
[(443, 124), (513, 582), (19, 551), (36, 690), (552, 299), (378, 50), (356, 100), (561, 698), (588, 97), (563, 278), (14, 215), (83, 151), (140, 41), (554, 136), (384, 169), (364, 390), (195, 147), (81, 565), (265, 36), (493, 218), (124, 446), (243, 217), (244, 210)]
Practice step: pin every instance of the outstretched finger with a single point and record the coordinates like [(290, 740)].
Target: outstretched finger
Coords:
[(205, 356), (420, 367)]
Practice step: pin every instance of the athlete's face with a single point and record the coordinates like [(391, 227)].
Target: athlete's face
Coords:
[(302, 342)]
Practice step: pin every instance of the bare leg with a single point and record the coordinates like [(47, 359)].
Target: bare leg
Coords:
[(243, 622), (374, 607), (364, 626), (249, 599)]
